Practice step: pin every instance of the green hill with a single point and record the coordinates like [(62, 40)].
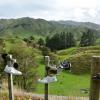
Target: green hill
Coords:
[(26, 27)]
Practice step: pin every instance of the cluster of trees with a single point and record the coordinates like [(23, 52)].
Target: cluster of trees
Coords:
[(31, 41), (60, 41), (67, 40), (63, 40)]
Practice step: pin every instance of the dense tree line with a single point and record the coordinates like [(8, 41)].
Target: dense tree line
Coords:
[(61, 41), (65, 40)]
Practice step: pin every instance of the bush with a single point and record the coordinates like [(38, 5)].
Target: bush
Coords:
[(81, 63), (25, 57)]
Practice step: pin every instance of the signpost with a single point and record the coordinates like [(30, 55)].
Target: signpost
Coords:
[(10, 86), (50, 75), (47, 61), (10, 63), (10, 79)]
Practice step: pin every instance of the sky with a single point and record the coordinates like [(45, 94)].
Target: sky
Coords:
[(76, 10)]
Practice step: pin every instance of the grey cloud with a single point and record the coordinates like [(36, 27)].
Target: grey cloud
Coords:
[(25, 7), (46, 9)]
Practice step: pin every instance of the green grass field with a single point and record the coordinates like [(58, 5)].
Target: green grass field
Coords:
[(67, 84)]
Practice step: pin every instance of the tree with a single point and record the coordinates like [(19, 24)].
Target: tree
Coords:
[(63, 40), (45, 51), (32, 38), (70, 40), (54, 42), (88, 38), (41, 42)]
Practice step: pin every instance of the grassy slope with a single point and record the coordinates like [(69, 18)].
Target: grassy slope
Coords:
[(68, 84), (63, 54)]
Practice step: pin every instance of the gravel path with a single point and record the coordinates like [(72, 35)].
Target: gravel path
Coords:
[(55, 97)]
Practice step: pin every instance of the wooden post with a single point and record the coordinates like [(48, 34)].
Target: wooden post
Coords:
[(95, 84), (47, 60), (10, 86), (10, 79)]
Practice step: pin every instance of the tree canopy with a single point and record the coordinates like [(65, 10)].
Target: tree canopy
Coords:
[(61, 41)]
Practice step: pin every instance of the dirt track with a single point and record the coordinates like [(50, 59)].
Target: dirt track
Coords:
[(55, 97)]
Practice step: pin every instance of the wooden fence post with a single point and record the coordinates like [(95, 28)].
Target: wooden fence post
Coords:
[(47, 60), (10, 86), (10, 78), (95, 83)]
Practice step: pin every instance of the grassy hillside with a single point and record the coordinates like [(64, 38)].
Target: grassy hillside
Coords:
[(69, 82), (76, 50), (31, 64), (80, 57), (26, 27)]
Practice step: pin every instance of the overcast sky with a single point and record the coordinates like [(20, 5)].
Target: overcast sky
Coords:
[(77, 10)]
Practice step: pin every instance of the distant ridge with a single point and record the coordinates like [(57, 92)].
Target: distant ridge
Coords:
[(84, 24), (27, 26)]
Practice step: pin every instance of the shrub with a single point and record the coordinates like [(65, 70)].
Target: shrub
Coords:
[(81, 63)]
